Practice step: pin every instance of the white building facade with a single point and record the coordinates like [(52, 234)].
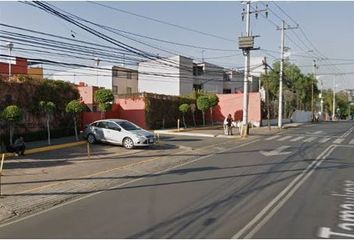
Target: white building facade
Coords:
[(179, 75), (118, 79)]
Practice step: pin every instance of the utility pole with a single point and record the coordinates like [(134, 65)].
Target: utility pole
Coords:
[(312, 83), (267, 91), (10, 45), (246, 43), (334, 98), (281, 72)]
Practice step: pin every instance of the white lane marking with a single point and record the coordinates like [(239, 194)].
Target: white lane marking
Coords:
[(346, 134), (284, 138), (352, 141), (275, 152), (338, 140), (318, 132), (326, 232), (261, 218), (310, 139), (296, 139), (323, 140), (121, 185), (273, 137)]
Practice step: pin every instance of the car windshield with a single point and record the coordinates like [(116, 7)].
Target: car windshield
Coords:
[(128, 126)]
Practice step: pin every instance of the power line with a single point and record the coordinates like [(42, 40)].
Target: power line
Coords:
[(162, 22)]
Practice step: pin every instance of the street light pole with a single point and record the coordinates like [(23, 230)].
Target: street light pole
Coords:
[(280, 109), (321, 97), (281, 72), (10, 45), (97, 63)]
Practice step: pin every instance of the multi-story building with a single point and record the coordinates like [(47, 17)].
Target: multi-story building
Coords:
[(120, 80), (179, 75), (350, 93), (170, 76), (87, 95)]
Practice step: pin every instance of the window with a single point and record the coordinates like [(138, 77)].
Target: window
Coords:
[(198, 70), (115, 73), (226, 90), (101, 125), (197, 87), (129, 90), (129, 75), (112, 126), (128, 125), (115, 90)]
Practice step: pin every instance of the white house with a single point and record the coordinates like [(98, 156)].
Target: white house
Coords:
[(179, 75)]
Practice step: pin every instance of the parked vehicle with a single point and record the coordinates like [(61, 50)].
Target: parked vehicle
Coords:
[(118, 131)]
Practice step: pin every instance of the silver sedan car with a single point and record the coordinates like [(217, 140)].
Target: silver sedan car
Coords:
[(118, 131)]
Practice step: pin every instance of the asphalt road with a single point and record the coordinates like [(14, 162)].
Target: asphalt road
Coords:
[(296, 184)]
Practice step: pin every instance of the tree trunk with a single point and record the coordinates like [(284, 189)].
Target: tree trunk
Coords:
[(184, 122), (48, 130), (76, 136), (268, 110), (11, 133), (203, 118), (211, 116), (193, 116)]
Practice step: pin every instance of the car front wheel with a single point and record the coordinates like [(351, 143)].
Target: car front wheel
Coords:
[(91, 139), (128, 143)]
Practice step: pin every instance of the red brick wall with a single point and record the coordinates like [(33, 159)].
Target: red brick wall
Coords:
[(19, 68)]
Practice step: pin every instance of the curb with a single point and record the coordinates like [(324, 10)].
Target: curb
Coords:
[(49, 148), (185, 134)]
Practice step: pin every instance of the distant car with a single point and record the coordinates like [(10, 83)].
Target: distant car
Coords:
[(118, 131)]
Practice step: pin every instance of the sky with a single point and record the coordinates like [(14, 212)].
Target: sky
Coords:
[(325, 34)]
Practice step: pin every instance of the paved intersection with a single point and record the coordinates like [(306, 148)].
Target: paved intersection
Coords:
[(236, 191)]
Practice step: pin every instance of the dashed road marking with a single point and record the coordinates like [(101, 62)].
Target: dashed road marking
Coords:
[(338, 140), (310, 139), (273, 137), (323, 140), (284, 138), (352, 141), (296, 139)]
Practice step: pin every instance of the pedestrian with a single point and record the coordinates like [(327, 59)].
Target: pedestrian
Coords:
[(229, 124), (18, 147), (225, 126)]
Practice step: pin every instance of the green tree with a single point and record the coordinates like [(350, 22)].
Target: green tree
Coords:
[(213, 101), (75, 107), (48, 108), (104, 98), (342, 104), (183, 108), (297, 88), (203, 105), (193, 108), (12, 115)]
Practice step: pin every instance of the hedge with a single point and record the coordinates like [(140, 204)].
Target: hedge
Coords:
[(162, 111)]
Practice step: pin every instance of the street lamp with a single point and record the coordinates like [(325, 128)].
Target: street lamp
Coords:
[(9, 45)]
